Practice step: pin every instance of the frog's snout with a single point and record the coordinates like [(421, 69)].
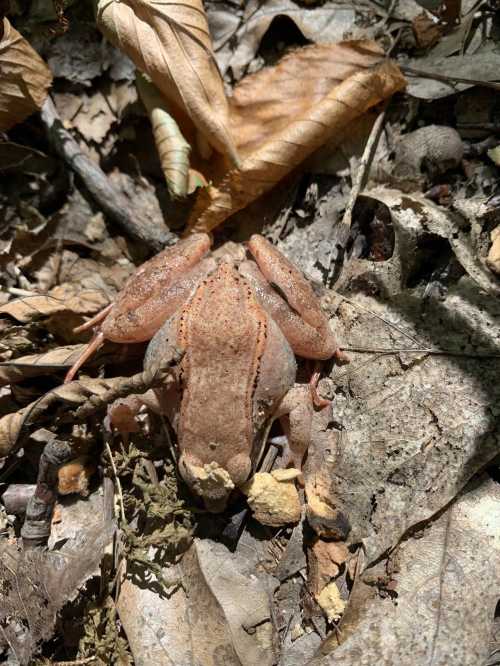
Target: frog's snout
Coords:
[(210, 481)]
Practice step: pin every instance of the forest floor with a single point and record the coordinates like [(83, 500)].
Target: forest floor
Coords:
[(393, 553)]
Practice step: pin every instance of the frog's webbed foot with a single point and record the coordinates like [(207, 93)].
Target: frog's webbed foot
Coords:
[(318, 401), (295, 413)]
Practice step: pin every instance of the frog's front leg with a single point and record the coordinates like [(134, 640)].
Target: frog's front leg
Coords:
[(151, 295), (295, 413)]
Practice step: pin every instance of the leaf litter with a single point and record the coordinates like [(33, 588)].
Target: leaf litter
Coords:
[(400, 482)]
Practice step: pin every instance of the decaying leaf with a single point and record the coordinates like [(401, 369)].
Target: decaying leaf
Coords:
[(34, 365), (330, 87), (218, 614), (416, 426), (24, 78), (170, 42), (37, 584), (446, 586), (419, 212)]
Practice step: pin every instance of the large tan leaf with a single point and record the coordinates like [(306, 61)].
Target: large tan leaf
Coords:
[(282, 114), (171, 43), (24, 78), (219, 615)]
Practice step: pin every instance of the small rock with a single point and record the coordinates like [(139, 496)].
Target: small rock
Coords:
[(331, 602), (273, 497), (296, 632), (96, 228), (433, 149)]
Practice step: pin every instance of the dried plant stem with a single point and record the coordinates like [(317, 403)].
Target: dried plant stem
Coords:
[(386, 321), (343, 229), (110, 200), (77, 662), (451, 80), (139, 383), (423, 350), (117, 482)]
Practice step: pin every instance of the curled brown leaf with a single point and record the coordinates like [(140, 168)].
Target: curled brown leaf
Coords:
[(24, 77), (170, 42), (173, 149)]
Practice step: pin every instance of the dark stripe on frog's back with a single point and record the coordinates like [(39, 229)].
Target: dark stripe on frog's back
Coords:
[(223, 330)]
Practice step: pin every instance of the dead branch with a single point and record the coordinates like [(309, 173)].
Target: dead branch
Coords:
[(110, 200)]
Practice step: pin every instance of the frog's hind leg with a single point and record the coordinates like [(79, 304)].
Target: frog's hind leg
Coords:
[(95, 344), (295, 413)]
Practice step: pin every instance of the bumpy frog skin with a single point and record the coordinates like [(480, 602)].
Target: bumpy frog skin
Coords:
[(239, 336)]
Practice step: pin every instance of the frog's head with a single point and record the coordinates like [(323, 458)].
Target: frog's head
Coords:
[(212, 482)]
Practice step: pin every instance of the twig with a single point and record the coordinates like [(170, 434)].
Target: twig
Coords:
[(117, 481), (423, 350), (362, 172), (112, 202), (450, 80), (342, 230), (161, 375), (77, 662), (383, 319)]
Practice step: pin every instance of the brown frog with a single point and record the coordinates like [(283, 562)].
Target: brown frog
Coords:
[(239, 321)]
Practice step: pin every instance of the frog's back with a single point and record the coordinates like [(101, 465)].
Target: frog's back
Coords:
[(223, 330)]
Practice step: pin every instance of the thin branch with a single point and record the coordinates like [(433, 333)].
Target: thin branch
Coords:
[(107, 197), (423, 350), (450, 80), (343, 229), (117, 482), (383, 319)]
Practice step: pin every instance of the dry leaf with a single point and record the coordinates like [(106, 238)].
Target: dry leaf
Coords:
[(219, 615), (419, 212), (38, 364), (72, 394), (481, 65), (447, 585), (24, 78), (173, 149), (283, 114), (171, 43), (37, 584), (64, 298)]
